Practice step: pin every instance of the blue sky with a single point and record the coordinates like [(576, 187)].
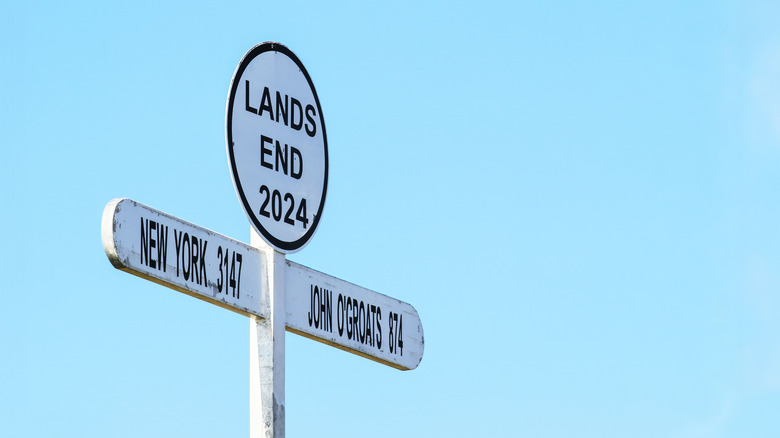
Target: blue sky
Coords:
[(580, 200)]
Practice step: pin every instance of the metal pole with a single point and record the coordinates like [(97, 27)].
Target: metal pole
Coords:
[(266, 350)]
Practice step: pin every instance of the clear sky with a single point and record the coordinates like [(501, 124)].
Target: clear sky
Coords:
[(579, 198)]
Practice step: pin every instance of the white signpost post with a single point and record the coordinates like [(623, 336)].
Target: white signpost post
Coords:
[(278, 155)]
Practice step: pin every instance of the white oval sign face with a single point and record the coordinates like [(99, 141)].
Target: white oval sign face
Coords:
[(276, 146)]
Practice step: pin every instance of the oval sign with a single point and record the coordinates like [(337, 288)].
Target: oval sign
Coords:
[(276, 146)]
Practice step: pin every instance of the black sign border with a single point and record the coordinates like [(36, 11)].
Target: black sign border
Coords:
[(248, 58)]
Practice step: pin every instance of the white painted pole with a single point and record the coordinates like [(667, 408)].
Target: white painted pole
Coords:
[(266, 349)]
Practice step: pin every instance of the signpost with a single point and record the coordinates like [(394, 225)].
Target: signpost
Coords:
[(278, 155)]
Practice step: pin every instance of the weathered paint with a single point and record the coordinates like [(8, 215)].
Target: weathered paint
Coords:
[(157, 246), (266, 350), (352, 318)]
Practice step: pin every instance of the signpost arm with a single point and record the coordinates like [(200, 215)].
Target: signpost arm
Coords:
[(266, 349)]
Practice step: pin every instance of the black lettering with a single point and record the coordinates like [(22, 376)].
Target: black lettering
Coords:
[(321, 305), (177, 242), (390, 327), (329, 311), (203, 245), (311, 295), (281, 155), (265, 151), (317, 307), (355, 320), (288, 216), (152, 242), (194, 263), (369, 323), (144, 243), (362, 320), (349, 318), (264, 208), (340, 314), (221, 273), (379, 327), (276, 205), (401, 333), (185, 267), (296, 158), (281, 108), (310, 113), (232, 273), (296, 104), (162, 248), (249, 108), (239, 259), (265, 104), (373, 324)]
